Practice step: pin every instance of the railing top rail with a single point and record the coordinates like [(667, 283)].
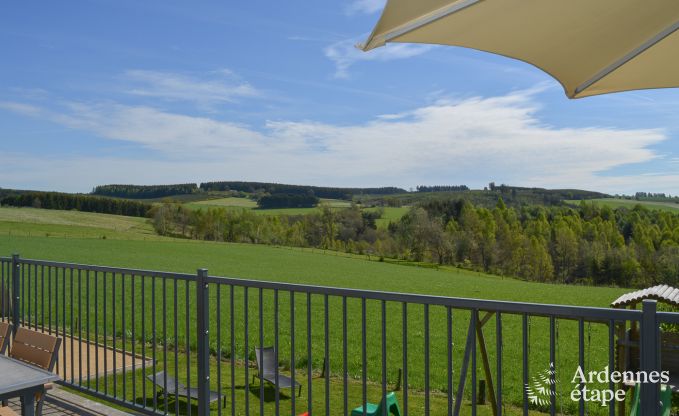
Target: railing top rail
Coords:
[(668, 317), (107, 269), (5, 259), (534, 309)]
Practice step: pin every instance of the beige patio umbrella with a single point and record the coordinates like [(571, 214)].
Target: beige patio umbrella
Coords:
[(590, 46)]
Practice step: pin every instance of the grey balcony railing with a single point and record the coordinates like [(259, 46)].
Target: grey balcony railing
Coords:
[(122, 327)]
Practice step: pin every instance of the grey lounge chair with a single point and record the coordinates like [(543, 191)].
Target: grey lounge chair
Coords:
[(267, 366), (179, 389)]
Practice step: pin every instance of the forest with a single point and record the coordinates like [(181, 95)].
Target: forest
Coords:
[(588, 244), (79, 202), (278, 188), (145, 191)]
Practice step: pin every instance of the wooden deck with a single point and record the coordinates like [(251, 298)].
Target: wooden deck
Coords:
[(85, 359)]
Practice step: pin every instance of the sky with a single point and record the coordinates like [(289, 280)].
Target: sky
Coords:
[(157, 92)]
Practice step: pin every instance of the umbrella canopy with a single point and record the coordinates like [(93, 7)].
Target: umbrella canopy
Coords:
[(590, 46)]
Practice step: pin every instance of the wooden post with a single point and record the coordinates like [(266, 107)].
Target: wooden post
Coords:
[(486, 363)]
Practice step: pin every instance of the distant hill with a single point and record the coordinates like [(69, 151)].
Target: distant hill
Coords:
[(280, 188)]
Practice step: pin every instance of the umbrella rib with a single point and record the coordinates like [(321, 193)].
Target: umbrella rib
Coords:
[(628, 57), (417, 23)]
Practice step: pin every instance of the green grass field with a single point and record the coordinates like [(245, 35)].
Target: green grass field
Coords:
[(627, 203), (316, 268)]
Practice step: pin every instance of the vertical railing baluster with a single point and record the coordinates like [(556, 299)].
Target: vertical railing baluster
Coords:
[(165, 342), (426, 359), (133, 319), (80, 328), (16, 296), (261, 345), (72, 330), (232, 318), (498, 352), (123, 334), (176, 345), (246, 314), (154, 341), (309, 353), (385, 409), (114, 352), (42, 297), (474, 319), (525, 362), (292, 350), (611, 362), (404, 317), (203, 341), (187, 333), (345, 381), (276, 355), (105, 316), (581, 361), (326, 358), (96, 331), (364, 360), (218, 311), (87, 327), (449, 353), (142, 279)]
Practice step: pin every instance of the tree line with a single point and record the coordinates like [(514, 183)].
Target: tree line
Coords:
[(278, 188), (287, 201), (442, 188), (145, 191), (79, 202), (587, 244)]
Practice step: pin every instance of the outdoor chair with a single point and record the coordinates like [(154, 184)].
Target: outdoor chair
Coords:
[(178, 388), (267, 366), (376, 410), (38, 349), (5, 330)]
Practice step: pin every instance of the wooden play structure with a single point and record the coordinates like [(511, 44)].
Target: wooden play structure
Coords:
[(627, 345)]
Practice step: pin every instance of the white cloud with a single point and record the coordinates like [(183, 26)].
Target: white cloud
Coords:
[(365, 6), (220, 86), (470, 141), (345, 54)]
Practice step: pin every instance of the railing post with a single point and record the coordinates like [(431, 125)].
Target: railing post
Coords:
[(16, 298), (650, 357), (202, 313)]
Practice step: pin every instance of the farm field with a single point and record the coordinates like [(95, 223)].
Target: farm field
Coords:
[(327, 269), (55, 223), (627, 203)]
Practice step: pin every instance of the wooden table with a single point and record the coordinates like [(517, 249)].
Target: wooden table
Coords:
[(18, 379)]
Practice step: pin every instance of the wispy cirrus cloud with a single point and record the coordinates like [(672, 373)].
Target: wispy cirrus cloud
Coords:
[(205, 89), (345, 54), (365, 6), (468, 141)]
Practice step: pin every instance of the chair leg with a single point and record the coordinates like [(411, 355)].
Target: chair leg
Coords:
[(38, 407)]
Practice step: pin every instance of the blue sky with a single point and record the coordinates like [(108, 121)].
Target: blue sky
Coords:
[(99, 91)]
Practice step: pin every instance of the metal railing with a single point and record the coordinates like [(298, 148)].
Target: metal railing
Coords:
[(131, 335)]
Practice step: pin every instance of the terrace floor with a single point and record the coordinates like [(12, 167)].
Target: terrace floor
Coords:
[(60, 402)]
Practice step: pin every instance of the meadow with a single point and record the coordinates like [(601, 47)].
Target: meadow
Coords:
[(311, 267)]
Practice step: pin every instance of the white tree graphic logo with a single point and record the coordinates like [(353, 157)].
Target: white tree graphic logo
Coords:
[(539, 390)]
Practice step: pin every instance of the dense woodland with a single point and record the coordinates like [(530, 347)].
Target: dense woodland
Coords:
[(278, 188), (145, 191), (588, 244), (287, 201), (87, 203)]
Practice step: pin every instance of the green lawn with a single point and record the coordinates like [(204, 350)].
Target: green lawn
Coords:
[(627, 203), (315, 268)]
